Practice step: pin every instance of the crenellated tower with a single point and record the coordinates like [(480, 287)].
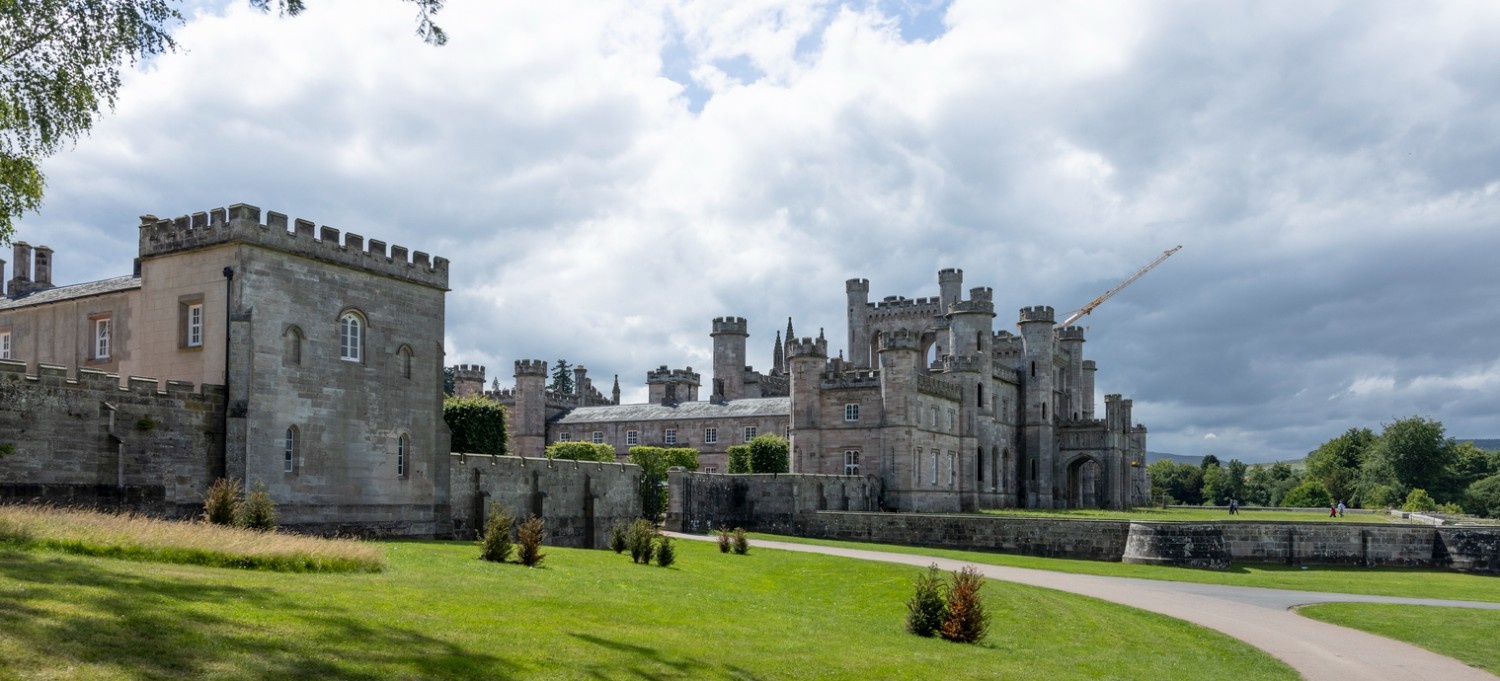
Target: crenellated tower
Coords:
[(528, 419), (1039, 432), (468, 379), (858, 291), (1070, 341), (672, 386), (806, 359), (729, 336)]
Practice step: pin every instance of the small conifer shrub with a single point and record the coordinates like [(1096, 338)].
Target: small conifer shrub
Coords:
[(639, 539), (723, 539), (222, 501), (666, 554), (617, 538), (495, 543), (257, 512), (967, 622), (741, 543), (530, 536), (928, 607)]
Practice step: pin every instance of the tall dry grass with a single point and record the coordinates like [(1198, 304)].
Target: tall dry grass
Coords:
[(134, 537)]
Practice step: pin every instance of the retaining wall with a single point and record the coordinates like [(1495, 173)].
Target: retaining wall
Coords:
[(580, 500), (699, 502)]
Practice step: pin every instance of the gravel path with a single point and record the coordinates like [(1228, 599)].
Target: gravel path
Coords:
[(1260, 617)]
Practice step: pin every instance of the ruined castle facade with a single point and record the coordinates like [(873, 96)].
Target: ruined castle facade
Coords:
[(947, 412), (319, 357)]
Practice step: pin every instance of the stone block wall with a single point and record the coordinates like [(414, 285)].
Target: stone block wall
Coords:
[(90, 442), (580, 500), (1331, 544), (1049, 537), (699, 502)]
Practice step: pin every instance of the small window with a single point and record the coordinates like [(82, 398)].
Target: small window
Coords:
[(934, 466), (916, 466), (102, 329), (293, 344), (289, 450), (934, 417), (632, 438), (710, 436), (710, 469), (851, 462), (565, 437), (598, 437), (979, 394), (749, 433), (851, 412), (1044, 411), (195, 325), (403, 449), (952, 419), (403, 362), (952, 472), (670, 436), (979, 464), (4, 345), (351, 339)]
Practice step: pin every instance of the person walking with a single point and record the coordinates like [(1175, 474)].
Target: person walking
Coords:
[(1341, 508), (1333, 511)]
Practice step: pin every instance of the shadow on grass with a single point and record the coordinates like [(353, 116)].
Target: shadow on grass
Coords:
[(81, 614), (650, 664)]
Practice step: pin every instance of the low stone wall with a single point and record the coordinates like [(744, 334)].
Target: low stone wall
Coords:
[(580, 500), (698, 502), (1049, 537), (1185, 545), (1342, 543)]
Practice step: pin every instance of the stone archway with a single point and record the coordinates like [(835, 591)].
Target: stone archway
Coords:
[(1085, 477)]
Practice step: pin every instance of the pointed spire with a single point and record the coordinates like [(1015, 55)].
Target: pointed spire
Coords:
[(790, 335), (616, 393), (820, 334), (778, 357)]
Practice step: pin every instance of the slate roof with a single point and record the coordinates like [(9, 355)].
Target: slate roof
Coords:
[(72, 291), (758, 406)]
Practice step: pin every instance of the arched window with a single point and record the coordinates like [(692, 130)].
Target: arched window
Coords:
[(293, 349), (979, 394), (289, 450), (351, 337), (403, 362), (403, 449)]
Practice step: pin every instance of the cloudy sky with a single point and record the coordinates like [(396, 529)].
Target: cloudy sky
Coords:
[(608, 177)]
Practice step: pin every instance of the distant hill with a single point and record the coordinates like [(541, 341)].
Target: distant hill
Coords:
[(1153, 457), (1487, 444)]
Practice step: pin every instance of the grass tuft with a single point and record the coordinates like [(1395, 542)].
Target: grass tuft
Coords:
[(138, 538)]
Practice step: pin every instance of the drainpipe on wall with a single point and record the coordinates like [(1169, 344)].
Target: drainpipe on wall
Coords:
[(228, 310)]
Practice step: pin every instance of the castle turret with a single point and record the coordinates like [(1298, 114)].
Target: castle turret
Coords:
[(1037, 411), (729, 336), (898, 369), (672, 386), (1071, 341), (859, 330), (528, 423), (1086, 388), (806, 358), (580, 384), (950, 286), (468, 379)]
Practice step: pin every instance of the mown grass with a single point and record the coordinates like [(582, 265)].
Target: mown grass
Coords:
[(132, 537), (1196, 514), (1461, 633), (1415, 583), (438, 612)]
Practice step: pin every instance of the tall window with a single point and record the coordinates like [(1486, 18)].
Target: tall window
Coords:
[(710, 436), (350, 338), (403, 360), (101, 338), (851, 462), (670, 436), (916, 466), (934, 466), (289, 450), (851, 412), (952, 473), (952, 419), (293, 349), (195, 325), (4, 345), (934, 416), (403, 449), (749, 433), (632, 438)]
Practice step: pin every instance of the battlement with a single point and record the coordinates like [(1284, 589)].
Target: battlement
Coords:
[(904, 304), (857, 286), (531, 367), (900, 339), (1005, 373), (972, 307), (950, 274), (808, 347), (56, 376), (730, 325), (982, 293), (1090, 365), (938, 388), (1039, 313), (843, 380), (468, 372), (950, 363), (1071, 333), (241, 223), (662, 374)]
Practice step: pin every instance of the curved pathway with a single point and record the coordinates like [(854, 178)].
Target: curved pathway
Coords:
[(1260, 617)]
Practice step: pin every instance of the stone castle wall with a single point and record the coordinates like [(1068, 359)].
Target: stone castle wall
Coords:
[(580, 500), (699, 502), (90, 442)]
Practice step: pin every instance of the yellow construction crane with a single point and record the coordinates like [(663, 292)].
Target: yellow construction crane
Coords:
[(1095, 302)]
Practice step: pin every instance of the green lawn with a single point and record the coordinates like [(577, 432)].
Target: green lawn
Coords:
[(1460, 633), (1417, 583), (1192, 513), (436, 612)]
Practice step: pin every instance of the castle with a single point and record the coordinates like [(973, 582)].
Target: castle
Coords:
[(947, 412), (319, 357)]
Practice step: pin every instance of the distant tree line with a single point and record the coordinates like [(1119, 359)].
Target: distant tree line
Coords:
[(1411, 464)]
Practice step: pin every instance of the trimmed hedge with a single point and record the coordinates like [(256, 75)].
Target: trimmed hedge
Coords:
[(477, 424), (581, 451)]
